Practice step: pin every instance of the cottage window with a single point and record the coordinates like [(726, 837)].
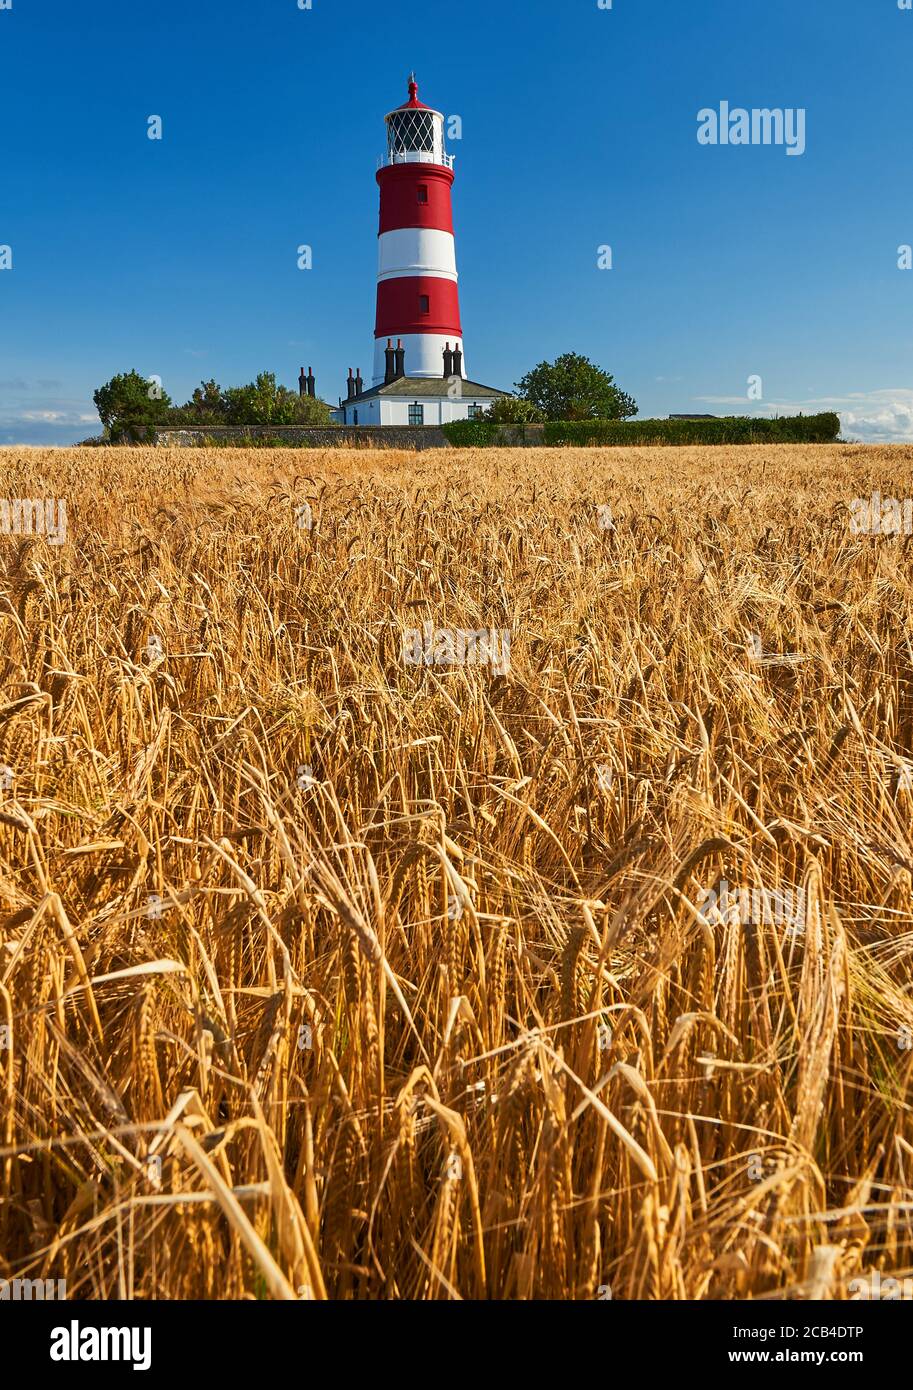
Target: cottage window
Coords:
[(416, 414)]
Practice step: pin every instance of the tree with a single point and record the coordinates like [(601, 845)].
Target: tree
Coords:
[(308, 410), (262, 402), (513, 410), (128, 412), (130, 406), (205, 407), (574, 388), (207, 401)]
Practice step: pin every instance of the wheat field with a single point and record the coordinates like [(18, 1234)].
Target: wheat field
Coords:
[(324, 974)]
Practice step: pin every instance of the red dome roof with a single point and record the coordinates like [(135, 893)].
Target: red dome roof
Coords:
[(413, 104)]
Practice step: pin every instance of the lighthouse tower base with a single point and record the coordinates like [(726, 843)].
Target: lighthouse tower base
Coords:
[(424, 354)]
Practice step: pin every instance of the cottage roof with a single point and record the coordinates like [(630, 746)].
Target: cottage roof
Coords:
[(419, 388)]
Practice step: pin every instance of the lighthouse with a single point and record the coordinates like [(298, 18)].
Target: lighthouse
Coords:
[(419, 375), (418, 305)]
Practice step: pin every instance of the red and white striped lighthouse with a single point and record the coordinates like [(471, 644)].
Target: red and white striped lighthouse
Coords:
[(418, 307)]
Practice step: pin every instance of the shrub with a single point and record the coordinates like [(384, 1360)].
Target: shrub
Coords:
[(471, 434), (514, 410), (732, 429)]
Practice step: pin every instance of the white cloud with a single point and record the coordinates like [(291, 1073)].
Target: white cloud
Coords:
[(884, 418), (867, 417), (35, 413)]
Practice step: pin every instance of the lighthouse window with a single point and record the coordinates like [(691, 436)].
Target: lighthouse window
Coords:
[(476, 412), (416, 415), (424, 304), (423, 193), (410, 132)]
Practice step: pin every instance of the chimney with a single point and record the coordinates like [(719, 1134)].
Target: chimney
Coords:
[(312, 384), (400, 358), (448, 361), (390, 355), (458, 361), (350, 386), (302, 383), (359, 384)]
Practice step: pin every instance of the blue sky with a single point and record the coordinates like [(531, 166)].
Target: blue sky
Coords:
[(580, 126)]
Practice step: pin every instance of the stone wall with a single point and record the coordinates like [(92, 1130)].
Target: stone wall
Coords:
[(306, 436), (336, 436)]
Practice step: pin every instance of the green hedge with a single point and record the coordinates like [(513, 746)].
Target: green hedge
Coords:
[(730, 429), (471, 434)]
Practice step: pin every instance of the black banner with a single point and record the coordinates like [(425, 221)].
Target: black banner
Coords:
[(214, 1339)]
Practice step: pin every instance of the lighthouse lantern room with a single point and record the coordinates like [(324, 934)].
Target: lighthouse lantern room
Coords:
[(419, 362)]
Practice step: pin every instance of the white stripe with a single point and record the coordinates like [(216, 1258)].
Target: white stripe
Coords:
[(413, 271), (416, 251), (424, 354)]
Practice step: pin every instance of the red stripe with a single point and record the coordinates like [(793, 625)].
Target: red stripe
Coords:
[(399, 197), (399, 307)]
